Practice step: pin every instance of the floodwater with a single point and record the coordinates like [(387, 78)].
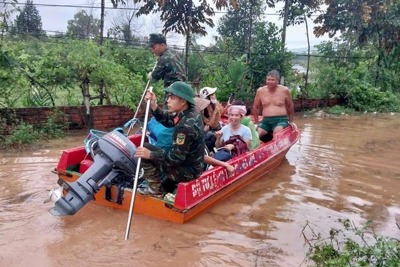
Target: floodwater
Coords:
[(347, 167)]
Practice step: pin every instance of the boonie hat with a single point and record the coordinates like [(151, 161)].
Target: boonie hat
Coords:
[(206, 91), (182, 90), (156, 38)]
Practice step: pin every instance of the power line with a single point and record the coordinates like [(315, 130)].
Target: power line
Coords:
[(117, 8), (138, 44)]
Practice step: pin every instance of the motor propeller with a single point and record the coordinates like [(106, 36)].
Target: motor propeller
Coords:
[(114, 156)]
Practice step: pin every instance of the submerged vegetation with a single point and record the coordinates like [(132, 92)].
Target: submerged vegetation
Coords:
[(16, 133), (351, 246)]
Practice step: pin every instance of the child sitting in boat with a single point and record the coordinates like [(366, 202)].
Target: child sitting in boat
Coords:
[(234, 138)]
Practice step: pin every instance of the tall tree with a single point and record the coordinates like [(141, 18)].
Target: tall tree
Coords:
[(28, 21), (126, 24), (297, 12), (218, 3), (370, 21), (83, 26), (181, 16), (268, 53), (6, 9), (238, 23)]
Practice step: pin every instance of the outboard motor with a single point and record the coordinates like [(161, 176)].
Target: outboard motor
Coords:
[(114, 156)]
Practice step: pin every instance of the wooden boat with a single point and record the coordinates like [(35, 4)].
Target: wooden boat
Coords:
[(194, 197)]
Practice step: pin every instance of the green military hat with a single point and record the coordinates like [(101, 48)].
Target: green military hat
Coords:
[(157, 38), (182, 90)]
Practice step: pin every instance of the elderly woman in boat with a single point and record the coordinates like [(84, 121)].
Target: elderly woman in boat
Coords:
[(234, 138)]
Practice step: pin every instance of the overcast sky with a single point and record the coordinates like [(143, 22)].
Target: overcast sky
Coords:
[(55, 18)]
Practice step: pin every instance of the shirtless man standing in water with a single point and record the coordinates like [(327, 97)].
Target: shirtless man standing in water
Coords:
[(276, 103)]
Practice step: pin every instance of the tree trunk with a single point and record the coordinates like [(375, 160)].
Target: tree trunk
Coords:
[(285, 20), (101, 85), (308, 56), (187, 54), (249, 33), (86, 101)]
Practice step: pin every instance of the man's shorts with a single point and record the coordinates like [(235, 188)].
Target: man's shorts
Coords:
[(270, 123)]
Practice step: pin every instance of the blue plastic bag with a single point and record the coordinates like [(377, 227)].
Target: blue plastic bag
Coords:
[(161, 134)]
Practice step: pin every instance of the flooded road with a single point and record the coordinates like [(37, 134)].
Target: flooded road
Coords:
[(347, 167)]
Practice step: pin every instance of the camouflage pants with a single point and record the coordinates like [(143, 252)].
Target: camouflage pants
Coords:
[(159, 178), (152, 174)]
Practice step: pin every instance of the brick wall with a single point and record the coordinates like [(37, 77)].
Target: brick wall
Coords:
[(109, 117), (103, 117)]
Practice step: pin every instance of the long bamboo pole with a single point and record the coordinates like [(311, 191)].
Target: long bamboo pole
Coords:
[(131, 122), (146, 117)]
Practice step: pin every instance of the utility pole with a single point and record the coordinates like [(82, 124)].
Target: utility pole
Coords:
[(250, 32), (101, 25), (101, 40), (285, 20)]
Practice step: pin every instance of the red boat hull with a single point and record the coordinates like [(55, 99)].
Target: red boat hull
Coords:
[(193, 197)]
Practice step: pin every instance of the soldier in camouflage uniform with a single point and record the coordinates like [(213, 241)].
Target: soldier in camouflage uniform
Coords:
[(185, 160), (169, 67)]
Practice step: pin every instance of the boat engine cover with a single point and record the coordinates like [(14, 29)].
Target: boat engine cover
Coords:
[(115, 155)]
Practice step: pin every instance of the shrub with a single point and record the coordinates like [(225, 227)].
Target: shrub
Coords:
[(55, 126), (22, 133), (352, 246), (17, 133), (364, 97), (339, 110)]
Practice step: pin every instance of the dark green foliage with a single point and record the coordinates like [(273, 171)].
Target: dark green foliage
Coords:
[(7, 8), (339, 110), (55, 126), (237, 24), (368, 24), (352, 79), (183, 16), (28, 22), (83, 26), (37, 97), (352, 246), (364, 97), (22, 133), (196, 64), (267, 53), (16, 133)]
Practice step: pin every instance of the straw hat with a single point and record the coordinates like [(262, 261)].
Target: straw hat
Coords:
[(200, 103)]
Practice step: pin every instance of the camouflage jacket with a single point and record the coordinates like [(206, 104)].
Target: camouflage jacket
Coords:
[(185, 160), (169, 68)]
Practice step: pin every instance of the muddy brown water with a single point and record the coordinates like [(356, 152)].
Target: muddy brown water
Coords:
[(347, 167)]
